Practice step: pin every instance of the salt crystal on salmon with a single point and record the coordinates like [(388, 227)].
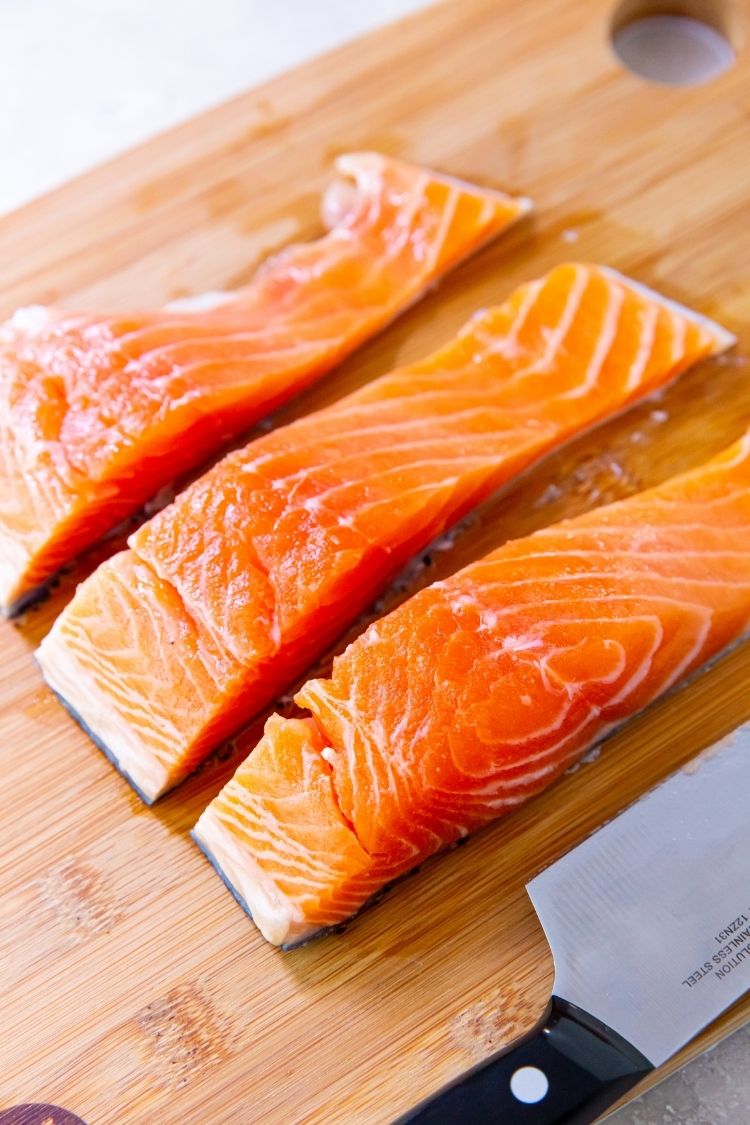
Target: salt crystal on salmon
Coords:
[(230, 593), (477, 693), (98, 412)]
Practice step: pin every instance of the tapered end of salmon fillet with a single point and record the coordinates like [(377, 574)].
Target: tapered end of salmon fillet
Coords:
[(276, 836), (361, 173), (721, 338)]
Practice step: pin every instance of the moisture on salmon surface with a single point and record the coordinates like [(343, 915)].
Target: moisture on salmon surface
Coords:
[(98, 412), (479, 692), (230, 593)]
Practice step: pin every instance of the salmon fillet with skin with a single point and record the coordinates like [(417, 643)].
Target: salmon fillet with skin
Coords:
[(478, 693), (98, 412), (229, 594)]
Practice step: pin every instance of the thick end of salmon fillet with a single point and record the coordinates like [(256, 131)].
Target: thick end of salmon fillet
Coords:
[(102, 658), (278, 816)]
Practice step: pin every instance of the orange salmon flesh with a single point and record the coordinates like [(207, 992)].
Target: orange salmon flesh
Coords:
[(230, 593), (98, 412), (478, 693)]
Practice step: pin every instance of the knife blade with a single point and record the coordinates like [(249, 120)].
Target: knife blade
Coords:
[(648, 921)]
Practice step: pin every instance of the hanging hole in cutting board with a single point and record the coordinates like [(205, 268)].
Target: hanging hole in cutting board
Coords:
[(672, 44)]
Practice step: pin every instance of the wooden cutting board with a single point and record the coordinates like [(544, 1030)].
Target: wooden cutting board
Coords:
[(134, 989)]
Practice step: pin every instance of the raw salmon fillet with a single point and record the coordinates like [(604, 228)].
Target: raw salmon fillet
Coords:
[(228, 595), (478, 692), (97, 412)]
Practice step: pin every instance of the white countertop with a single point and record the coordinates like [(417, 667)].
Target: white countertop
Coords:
[(81, 80)]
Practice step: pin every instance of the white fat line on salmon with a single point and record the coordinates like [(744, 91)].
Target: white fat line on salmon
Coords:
[(555, 337), (704, 619), (645, 348), (601, 552), (679, 335), (250, 355), (478, 460), (636, 576), (505, 345), (446, 220), (607, 336), (515, 430), (440, 484)]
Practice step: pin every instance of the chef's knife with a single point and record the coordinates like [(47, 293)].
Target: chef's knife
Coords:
[(649, 925)]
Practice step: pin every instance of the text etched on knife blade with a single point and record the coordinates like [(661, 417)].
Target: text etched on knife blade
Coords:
[(733, 942)]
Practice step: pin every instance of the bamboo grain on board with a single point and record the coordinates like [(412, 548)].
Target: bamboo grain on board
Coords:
[(133, 988)]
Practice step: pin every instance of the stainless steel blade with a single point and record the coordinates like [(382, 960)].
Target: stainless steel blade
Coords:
[(649, 919)]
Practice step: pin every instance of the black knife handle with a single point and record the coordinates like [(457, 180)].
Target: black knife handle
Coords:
[(578, 1065)]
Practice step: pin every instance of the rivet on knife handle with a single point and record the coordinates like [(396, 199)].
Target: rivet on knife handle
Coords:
[(567, 1070)]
